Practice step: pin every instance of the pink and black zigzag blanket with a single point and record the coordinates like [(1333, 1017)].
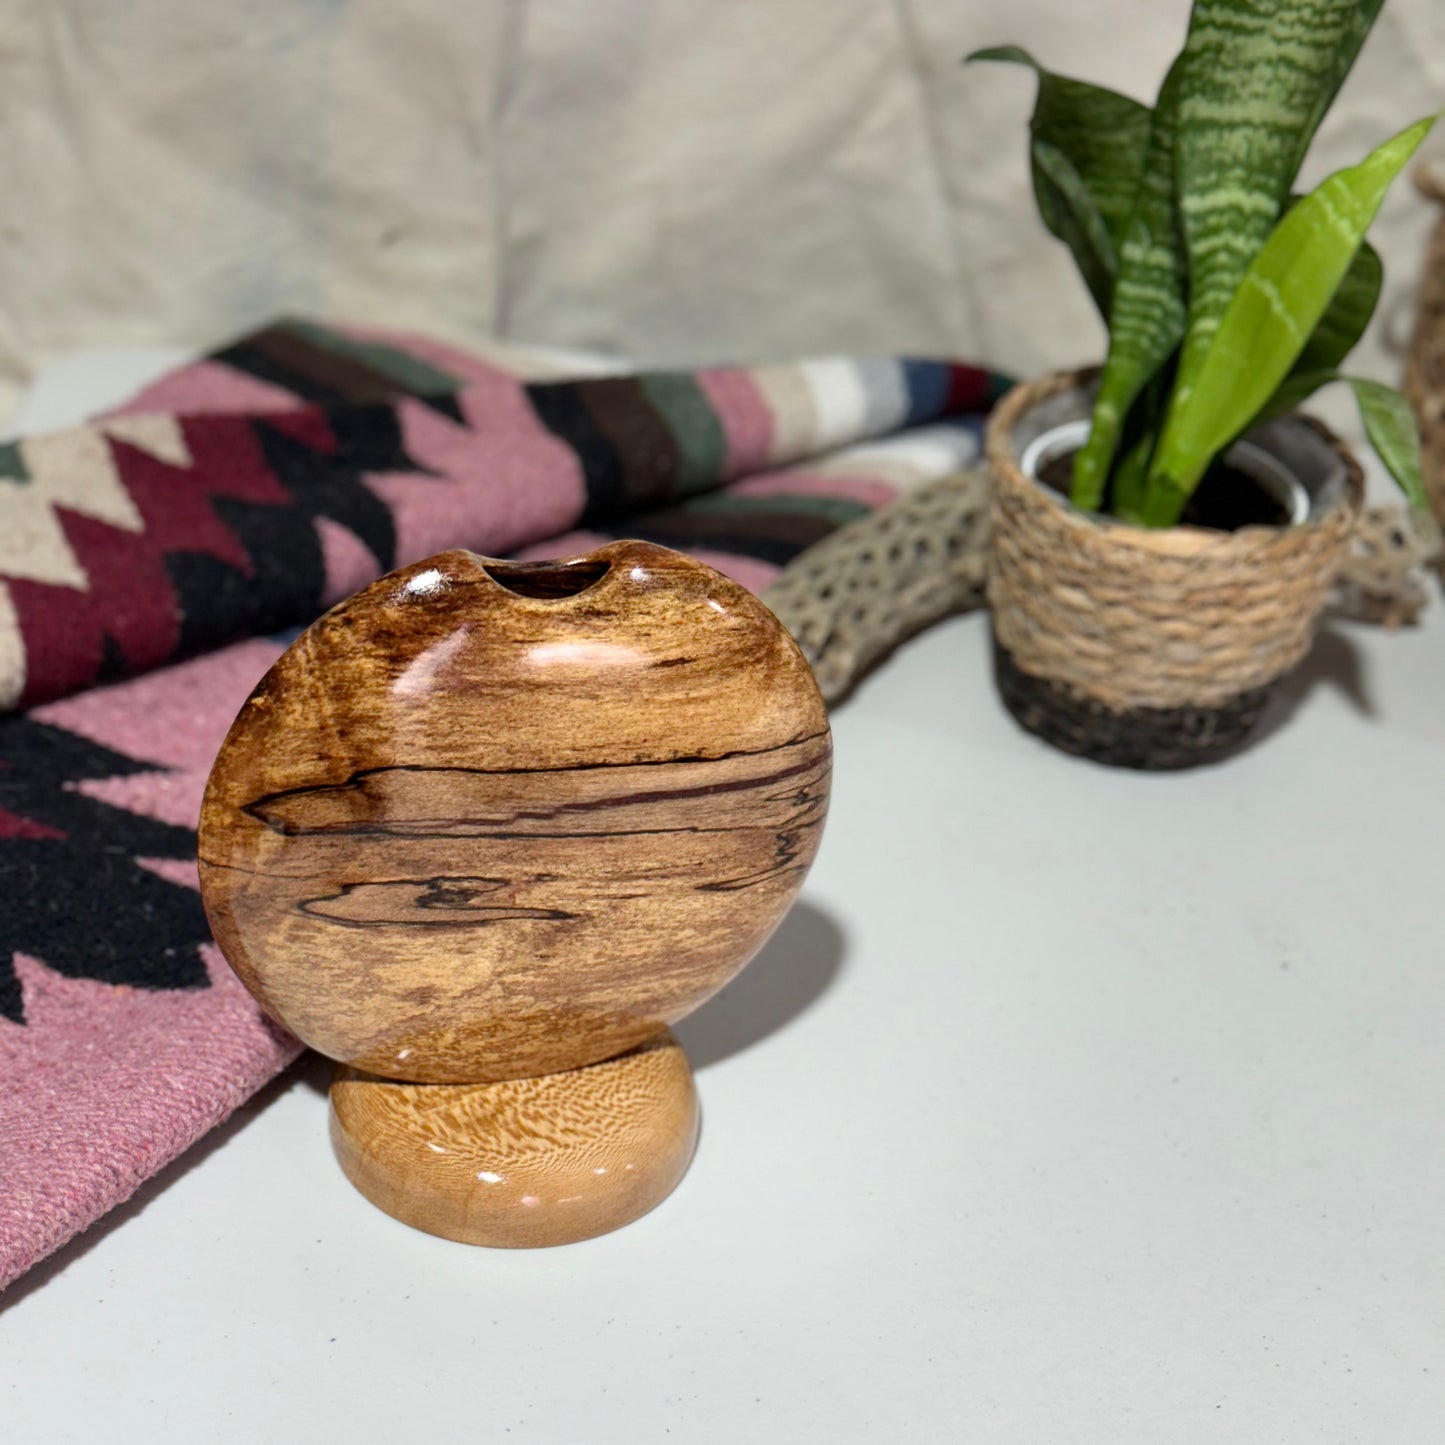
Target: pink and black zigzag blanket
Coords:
[(151, 564)]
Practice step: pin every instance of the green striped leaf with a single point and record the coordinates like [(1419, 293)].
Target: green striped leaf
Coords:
[(1389, 422), (1347, 315), (1087, 153), (1146, 320), (1146, 325), (1352, 36), (1294, 391), (1258, 76), (1336, 335), (1388, 419), (1070, 212), (1131, 477), (1390, 425), (1273, 314)]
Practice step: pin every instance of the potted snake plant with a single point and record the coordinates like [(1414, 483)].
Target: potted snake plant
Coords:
[(1166, 527)]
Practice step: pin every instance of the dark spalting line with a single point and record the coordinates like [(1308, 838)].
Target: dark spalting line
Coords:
[(507, 836), (361, 774), (523, 835), (487, 920), (446, 895), (753, 880), (800, 797), (674, 662), (445, 827), (237, 868), (788, 846)]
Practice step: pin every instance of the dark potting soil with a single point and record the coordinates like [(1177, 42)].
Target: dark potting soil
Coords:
[(1226, 500)]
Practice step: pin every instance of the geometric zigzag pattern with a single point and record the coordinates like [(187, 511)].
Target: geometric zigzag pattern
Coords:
[(148, 537), (243, 495)]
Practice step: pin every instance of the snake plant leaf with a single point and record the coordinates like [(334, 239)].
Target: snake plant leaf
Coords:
[(1352, 36), (1130, 478), (1272, 315), (1391, 427), (1102, 135), (1146, 320), (1070, 212), (1335, 336), (1388, 419), (1294, 391), (1347, 315), (1258, 75)]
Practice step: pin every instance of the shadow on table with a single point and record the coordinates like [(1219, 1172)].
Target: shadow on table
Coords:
[(1334, 661), (796, 967), (310, 1069)]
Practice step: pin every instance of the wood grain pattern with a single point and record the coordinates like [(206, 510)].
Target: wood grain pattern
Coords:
[(488, 821), (526, 1162)]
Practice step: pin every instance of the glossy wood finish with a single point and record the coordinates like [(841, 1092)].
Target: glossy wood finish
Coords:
[(461, 834), (526, 1162), (481, 834)]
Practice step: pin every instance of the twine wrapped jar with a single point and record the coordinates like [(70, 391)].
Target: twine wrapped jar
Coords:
[(1425, 365), (1150, 648)]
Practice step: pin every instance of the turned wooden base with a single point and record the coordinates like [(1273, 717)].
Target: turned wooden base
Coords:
[(526, 1162)]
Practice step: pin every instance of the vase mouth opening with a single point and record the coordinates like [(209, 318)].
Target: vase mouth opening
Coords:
[(549, 581)]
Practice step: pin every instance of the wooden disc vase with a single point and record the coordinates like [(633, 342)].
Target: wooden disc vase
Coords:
[(481, 835), (1152, 648)]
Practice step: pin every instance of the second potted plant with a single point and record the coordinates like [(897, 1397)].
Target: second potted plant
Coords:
[(1166, 529)]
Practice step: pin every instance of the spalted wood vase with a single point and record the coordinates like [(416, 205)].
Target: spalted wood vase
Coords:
[(481, 835)]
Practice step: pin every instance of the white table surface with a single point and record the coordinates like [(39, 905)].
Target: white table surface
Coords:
[(1069, 1105)]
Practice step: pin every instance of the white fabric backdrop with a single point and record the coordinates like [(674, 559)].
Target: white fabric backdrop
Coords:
[(666, 180)]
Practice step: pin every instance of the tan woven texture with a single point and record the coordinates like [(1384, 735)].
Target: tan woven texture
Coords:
[(1384, 578), (1425, 366), (1137, 618), (854, 597)]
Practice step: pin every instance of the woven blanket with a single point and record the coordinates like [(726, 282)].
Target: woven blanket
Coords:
[(240, 496)]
